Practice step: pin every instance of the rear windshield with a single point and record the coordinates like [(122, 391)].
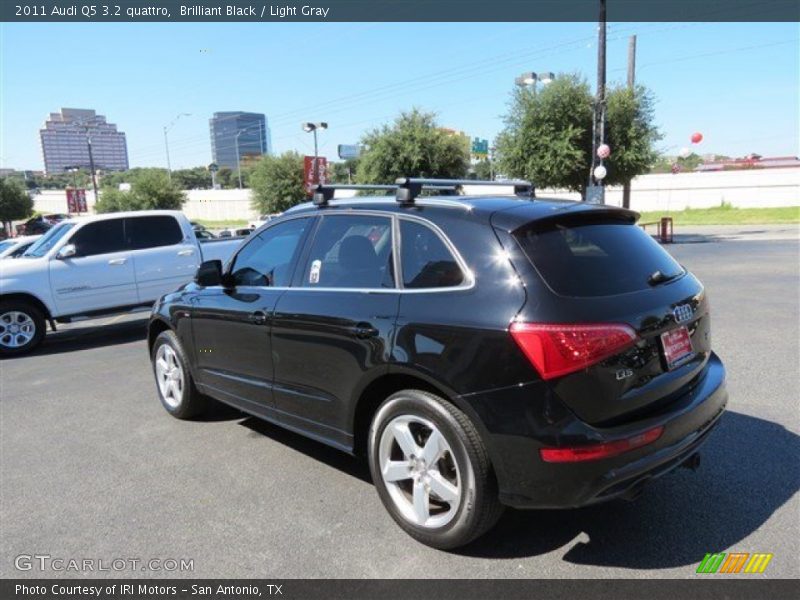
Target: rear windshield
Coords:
[(596, 259)]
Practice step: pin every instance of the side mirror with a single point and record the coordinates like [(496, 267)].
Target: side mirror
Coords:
[(67, 251), (209, 273)]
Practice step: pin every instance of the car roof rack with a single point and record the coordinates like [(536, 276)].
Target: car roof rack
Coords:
[(407, 189)]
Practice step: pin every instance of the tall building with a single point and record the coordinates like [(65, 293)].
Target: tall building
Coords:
[(65, 142), (251, 129)]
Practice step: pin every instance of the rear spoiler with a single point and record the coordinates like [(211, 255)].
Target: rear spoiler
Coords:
[(533, 216)]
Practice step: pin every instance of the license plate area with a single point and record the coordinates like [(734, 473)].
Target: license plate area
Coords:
[(676, 345)]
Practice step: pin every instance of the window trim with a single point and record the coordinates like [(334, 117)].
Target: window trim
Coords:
[(469, 277)]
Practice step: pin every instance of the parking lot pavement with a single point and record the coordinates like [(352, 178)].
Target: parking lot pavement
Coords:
[(92, 467)]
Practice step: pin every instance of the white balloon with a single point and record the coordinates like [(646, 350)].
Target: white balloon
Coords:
[(600, 172), (685, 152)]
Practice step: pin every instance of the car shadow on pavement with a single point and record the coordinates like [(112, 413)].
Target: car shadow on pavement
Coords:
[(91, 336), (748, 470), (351, 465)]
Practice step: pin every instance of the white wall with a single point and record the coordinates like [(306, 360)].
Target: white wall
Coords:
[(743, 189)]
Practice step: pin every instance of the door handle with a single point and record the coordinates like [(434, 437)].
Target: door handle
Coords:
[(188, 252), (364, 330), (258, 317), (117, 261)]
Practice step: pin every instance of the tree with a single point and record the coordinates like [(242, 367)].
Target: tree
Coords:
[(413, 146), (548, 135), (226, 178), (15, 203), (277, 182), (631, 133), (150, 189), (483, 169), (197, 178)]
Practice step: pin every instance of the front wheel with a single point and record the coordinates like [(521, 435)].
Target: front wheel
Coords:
[(22, 327), (176, 389), (431, 470)]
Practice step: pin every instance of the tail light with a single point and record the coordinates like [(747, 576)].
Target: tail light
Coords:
[(558, 349), (598, 451)]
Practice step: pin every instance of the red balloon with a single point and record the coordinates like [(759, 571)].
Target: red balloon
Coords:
[(697, 138)]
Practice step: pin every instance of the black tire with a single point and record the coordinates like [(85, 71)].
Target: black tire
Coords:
[(15, 308), (188, 402), (478, 508)]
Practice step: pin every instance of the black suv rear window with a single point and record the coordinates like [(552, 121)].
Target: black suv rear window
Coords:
[(595, 259)]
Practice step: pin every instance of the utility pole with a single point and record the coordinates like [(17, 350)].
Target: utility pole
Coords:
[(166, 148), (600, 101), (626, 187), (238, 160), (91, 165)]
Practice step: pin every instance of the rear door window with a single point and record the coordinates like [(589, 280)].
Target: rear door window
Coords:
[(595, 259), (351, 251), (152, 232)]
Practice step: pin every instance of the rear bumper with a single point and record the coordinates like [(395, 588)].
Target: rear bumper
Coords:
[(528, 482)]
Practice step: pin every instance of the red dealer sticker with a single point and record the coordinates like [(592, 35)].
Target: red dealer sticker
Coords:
[(677, 345)]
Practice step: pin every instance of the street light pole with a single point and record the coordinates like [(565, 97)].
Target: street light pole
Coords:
[(167, 127)]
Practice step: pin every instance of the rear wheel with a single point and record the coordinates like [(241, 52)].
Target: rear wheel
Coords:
[(22, 327), (176, 389), (431, 470)]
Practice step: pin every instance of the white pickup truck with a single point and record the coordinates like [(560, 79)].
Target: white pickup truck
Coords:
[(96, 266)]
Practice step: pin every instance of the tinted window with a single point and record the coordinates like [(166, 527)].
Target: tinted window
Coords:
[(151, 232), (351, 252), (6, 245), (100, 237), (427, 262), (267, 257), (599, 259)]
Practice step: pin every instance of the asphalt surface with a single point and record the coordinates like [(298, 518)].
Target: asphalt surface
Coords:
[(92, 467)]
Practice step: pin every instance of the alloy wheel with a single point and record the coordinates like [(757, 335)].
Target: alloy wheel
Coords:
[(420, 471), (16, 329), (169, 375)]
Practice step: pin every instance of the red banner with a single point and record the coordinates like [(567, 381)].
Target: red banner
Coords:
[(312, 176), (76, 200)]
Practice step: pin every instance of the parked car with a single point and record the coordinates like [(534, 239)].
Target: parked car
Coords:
[(481, 352), (261, 220), (14, 247), (94, 266), (240, 232), (40, 224), (204, 234)]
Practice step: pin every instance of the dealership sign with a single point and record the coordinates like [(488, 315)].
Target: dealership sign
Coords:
[(313, 175)]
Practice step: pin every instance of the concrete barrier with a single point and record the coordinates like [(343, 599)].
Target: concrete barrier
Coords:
[(754, 188)]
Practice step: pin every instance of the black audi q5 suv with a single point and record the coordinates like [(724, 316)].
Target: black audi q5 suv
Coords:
[(480, 351)]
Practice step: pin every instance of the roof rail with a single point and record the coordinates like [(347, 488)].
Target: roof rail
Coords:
[(408, 188)]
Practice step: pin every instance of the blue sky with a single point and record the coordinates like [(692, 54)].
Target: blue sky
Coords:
[(737, 83)]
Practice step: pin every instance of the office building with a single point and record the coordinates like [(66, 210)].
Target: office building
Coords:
[(66, 136), (246, 130)]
